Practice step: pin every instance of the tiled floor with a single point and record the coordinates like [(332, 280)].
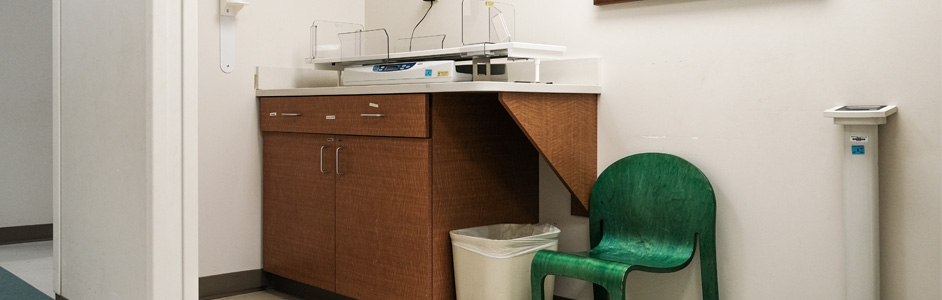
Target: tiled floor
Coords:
[(263, 295), (32, 262)]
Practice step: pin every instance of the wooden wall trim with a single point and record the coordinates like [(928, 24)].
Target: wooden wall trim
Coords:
[(25, 234), (563, 128)]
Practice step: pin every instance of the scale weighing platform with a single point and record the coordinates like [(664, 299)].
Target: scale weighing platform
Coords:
[(434, 66)]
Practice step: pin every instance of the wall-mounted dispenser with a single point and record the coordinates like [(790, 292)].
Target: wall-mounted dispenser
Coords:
[(861, 196), (228, 9)]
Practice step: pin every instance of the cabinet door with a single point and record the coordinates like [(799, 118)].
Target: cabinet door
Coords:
[(384, 218), (298, 207)]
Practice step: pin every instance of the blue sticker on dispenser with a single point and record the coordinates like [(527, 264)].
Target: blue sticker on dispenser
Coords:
[(428, 72), (857, 150)]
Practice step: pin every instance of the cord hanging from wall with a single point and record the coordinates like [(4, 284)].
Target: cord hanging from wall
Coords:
[(228, 9)]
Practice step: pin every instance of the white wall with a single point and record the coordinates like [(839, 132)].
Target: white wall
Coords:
[(270, 34), (738, 88), (25, 113)]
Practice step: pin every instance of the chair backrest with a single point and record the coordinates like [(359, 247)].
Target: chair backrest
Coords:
[(652, 198)]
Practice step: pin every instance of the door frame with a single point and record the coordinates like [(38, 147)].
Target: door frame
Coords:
[(172, 92)]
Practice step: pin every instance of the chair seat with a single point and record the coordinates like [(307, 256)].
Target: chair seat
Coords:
[(643, 256), (637, 257)]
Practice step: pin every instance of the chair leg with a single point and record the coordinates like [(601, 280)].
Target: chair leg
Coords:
[(599, 292), (708, 278), (536, 285), (616, 292)]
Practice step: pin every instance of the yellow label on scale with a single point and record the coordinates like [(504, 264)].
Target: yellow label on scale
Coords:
[(488, 3), (442, 73)]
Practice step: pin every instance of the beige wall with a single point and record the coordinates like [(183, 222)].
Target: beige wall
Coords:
[(271, 34), (25, 113), (104, 150), (738, 87)]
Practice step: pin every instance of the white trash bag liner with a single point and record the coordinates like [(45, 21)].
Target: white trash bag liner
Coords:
[(506, 240), (493, 262)]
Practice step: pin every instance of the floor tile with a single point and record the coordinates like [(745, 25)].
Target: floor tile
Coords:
[(32, 262)]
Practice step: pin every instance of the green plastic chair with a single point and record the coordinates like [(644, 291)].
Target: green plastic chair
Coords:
[(647, 211)]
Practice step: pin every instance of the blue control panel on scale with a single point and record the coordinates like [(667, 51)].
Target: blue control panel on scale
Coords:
[(393, 67)]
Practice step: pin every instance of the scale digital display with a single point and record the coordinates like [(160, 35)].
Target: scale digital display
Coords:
[(861, 108), (393, 67)]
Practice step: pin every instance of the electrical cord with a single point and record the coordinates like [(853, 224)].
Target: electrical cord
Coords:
[(430, 3)]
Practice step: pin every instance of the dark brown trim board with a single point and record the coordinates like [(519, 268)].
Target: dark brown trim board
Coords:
[(604, 2), (301, 290), (25, 234), (59, 297), (229, 284), (309, 292), (236, 283)]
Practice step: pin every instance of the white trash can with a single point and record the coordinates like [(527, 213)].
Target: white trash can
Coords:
[(493, 262)]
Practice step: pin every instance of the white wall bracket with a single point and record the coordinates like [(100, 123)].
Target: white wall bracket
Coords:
[(228, 9), (231, 7), (861, 196)]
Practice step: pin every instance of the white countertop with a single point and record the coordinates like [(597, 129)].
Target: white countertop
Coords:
[(434, 88)]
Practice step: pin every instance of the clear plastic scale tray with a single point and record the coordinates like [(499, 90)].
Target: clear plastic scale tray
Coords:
[(509, 50)]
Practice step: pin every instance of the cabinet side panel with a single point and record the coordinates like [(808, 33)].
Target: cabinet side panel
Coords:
[(383, 218), (298, 209), (485, 172)]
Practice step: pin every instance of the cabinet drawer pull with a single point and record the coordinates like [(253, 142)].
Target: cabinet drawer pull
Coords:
[(337, 162), (372, 115), (322, 160), (290, 114)]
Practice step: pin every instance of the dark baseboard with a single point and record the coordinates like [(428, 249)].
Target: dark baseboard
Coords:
[(309, 292), (301, 290), (236, 283), (25, 234), (229, 284), (59, 297)]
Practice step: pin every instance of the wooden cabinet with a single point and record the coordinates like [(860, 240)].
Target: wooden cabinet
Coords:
[(298, 209), (384, 218), (361, 204), (378, 115)]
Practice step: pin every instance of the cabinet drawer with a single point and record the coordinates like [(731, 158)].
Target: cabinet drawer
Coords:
[(373, 115)]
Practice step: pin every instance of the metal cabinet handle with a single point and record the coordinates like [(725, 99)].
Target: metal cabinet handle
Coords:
[(337, 164), (372, 115), (322, 160), (290, 114)]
